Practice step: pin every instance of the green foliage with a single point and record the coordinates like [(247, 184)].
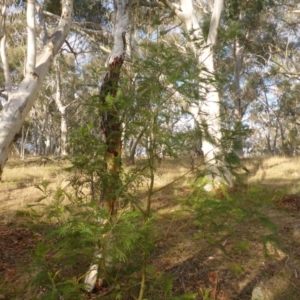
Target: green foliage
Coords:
[(237, 269), (53, 6), (76, 221), (147, 102), (155, 110), (234, 8), (87, 160), (220, 216), (56, 289), (205, 294), (161, 285), (89, 11), (74, 230)]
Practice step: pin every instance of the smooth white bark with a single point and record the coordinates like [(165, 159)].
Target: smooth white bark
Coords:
[(92, 273), (8, 84), (209, 110), (121, 24), (20, 101), (215, 22), (63, 111)]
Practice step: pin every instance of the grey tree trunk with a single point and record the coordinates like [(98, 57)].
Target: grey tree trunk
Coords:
[(134, 144), (238, 109)]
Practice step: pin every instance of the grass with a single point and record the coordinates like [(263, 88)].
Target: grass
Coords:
[(19, 180), (187, 253)]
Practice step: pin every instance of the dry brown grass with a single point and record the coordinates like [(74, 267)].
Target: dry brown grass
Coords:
[(277, 172), (19, 180), (181, 251)]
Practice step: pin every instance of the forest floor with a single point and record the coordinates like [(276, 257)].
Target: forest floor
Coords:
[(188, 259)]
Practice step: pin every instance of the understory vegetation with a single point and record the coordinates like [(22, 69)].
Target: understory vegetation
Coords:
[(186, 244), (158, 159)]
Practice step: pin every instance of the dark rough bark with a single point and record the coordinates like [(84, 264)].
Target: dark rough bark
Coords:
[(110, 127)]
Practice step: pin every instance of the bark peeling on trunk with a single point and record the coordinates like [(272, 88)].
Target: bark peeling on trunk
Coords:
[(110, 127), (110, 124)]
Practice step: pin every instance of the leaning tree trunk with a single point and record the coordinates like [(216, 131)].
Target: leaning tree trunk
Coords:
[(133, 146), (21, 100), (110, 124)]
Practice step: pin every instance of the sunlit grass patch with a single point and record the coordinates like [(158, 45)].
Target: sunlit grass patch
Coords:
[(275, 171), (19, 180)]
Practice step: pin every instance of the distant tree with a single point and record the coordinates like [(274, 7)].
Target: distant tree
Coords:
[(21, 100)]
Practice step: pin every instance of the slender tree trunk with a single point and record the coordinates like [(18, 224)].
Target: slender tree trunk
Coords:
[(275, 140), (34, 139), (4, 59), (24, 141), (22, 144), (63, 134), (110, 124), (45, 129), (48, 137), (134, 145), (63, 111), (21, 100), (238, 109), (268, 142)]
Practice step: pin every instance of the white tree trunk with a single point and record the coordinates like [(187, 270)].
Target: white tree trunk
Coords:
[(63, 133), (31, 38), (209, 115), (23, 142), (4, 59), (63, 111), (20, 101)]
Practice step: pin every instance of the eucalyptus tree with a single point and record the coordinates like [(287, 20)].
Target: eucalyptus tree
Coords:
[(241, 55), (271, 52), (208, 110), (21, 100)]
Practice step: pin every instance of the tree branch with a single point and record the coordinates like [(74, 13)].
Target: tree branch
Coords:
[(40, 12), (214, 22), (31, 41), (88, 33), (8, 84), (20, 101), (151, 4)]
